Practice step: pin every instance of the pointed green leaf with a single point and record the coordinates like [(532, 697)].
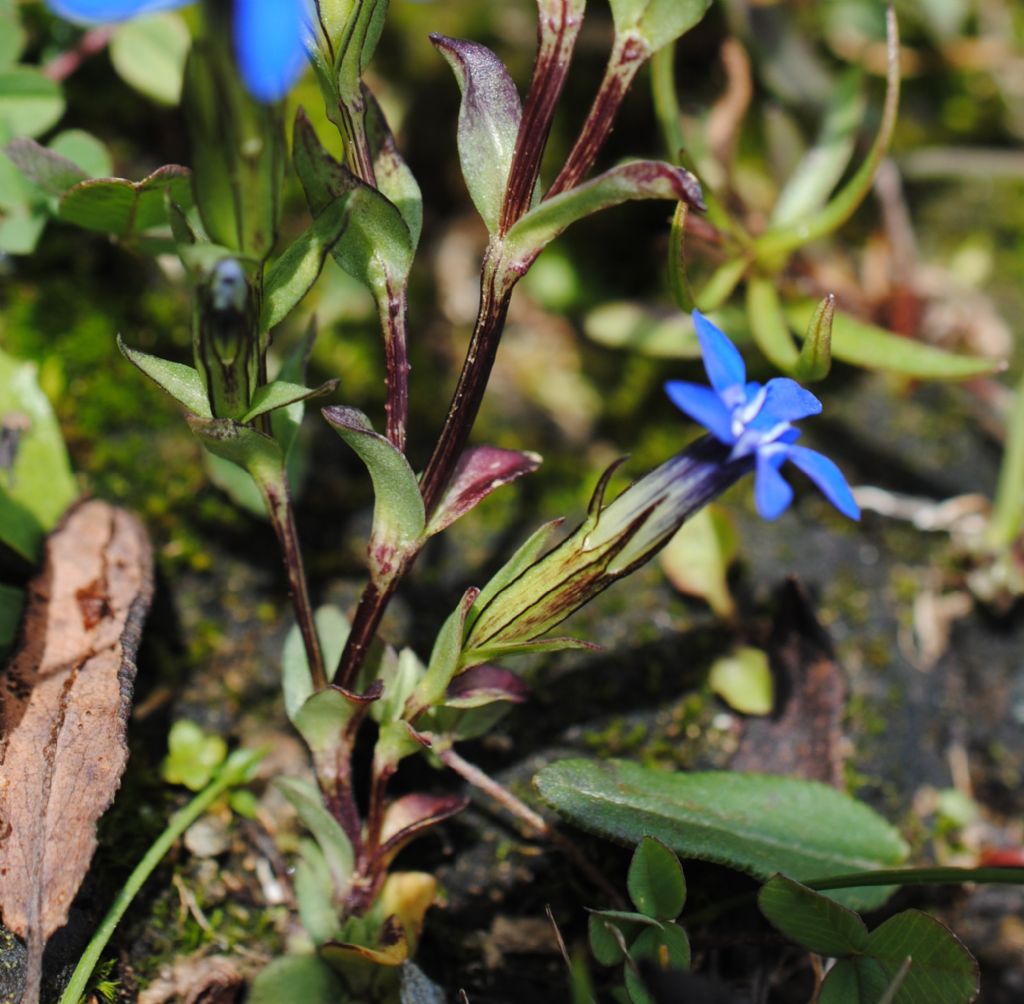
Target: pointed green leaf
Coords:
[(609, 930), (488, 122), (314, 894), (399, 673), (810, 919), (337, 848), (444, 659), (759, 824), (394, 179), (357, 32), (657, 22), (768, 324), (332, 629), (182, 382), (292, 276), (399, 519), (30, 102), (38, 487), (656, 883), (245, 447), (815, 360), (126, 208), (641, 179), (281, 394), (810, 185), (862, 344), (149, 53)]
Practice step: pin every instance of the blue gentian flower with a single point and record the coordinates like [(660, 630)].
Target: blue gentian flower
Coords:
[(269, 35), (755, 420)]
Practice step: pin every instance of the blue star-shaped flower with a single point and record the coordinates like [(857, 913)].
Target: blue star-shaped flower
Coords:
[(756, 420), (269, 35)]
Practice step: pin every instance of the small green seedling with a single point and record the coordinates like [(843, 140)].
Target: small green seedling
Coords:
[(651, 935)]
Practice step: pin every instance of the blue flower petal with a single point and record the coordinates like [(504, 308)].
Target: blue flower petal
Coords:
[(771, 493), (703, 405), (270, 45), (97, 11), (824, 473), (722, 360), (785, 401)]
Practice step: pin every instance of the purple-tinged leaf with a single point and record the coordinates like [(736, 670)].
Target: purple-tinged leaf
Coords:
[(480, 471), (640, 179), (485, 684), (51, 171), (411, 816), (488, 122)]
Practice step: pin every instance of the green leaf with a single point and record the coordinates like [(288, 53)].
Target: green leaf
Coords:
[(332, 629), (246, 448), (399, 673), (657, 22), (355, 40), (941, 970), (862, 344), (638, 328), (810, 185), (394, 179), (444, 658), (281, 394), (399, 519), (758, 824), (640, 179), (488, 122), (38, 487), (30, 102), (12, 35), (656, 883), (743, 679), (313, 894), (193, 756), (297, 979), (85, 150), (126, 208), (810, 919), (292, 276), (335, 845), (664, 948), (768, 324), (149, 53), (375, 247), (697, 559), (604, 925), (182, 382)]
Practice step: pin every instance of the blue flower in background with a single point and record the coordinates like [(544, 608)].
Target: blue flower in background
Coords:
[(755, 419), (269, 35)]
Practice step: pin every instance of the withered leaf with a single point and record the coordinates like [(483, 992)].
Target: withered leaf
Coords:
[(64, 704), (802, 737)]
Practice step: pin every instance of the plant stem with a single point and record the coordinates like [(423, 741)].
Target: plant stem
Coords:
[(392, 309), (495, 294), (628, 55), (227, 778), (556, 39), (282, 515), (533, 820), (365, 621)]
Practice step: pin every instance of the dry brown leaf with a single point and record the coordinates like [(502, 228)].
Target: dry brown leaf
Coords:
[(64, 704), (803, 736)]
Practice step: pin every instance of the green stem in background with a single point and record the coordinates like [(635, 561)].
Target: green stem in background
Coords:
[(774, 245), (1008, 506), (768, 324), (236, 771), (721, 285), (628, 55), (666, 105)]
